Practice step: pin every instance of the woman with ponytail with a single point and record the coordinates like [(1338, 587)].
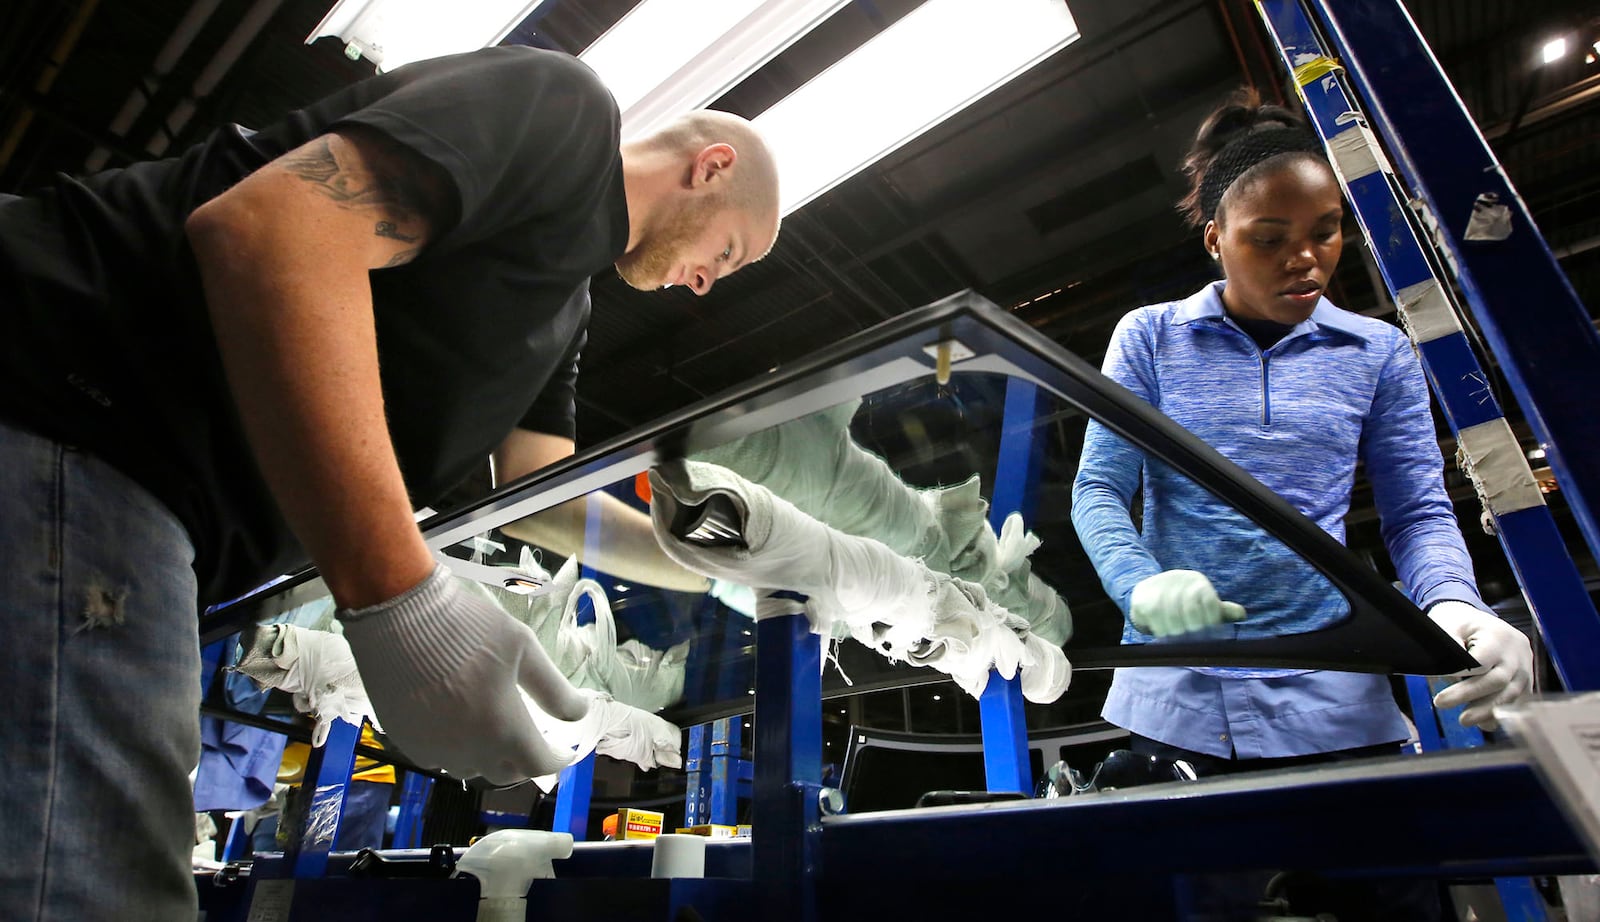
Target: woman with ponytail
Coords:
[(1296, 391)]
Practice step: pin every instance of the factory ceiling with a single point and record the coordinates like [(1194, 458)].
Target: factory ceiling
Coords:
[(1053, 196)]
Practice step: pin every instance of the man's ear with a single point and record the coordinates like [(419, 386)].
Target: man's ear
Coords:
[(712, 163)]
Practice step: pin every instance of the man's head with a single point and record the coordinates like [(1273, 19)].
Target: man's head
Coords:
[(702, 202)]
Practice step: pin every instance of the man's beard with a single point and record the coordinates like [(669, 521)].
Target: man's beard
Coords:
[(648, 266)]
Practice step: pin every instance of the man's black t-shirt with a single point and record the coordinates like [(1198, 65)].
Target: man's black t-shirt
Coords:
[(107, 344)]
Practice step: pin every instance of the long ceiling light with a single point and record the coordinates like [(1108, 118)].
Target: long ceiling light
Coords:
[(667, 57), (664, 58), (390, 33), (936, 61)]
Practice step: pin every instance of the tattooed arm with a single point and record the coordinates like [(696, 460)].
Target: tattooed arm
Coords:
[(283, 258)]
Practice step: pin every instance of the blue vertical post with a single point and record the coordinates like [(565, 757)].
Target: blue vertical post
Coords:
[(1423, 715), (327, 778), (1528, 533), (413, 803), (1530, 315), (573, 793), (575, 787), (785, 816), (235, 845), (1016, 474), (726, 737)]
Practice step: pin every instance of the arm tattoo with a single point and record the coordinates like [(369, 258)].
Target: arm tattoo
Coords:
[(387, 229), (386, 183)]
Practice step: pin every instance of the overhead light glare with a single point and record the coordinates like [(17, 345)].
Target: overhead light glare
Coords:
[(934, 62), (664, 58), (1555, 50), (390, 33), (667, 57)]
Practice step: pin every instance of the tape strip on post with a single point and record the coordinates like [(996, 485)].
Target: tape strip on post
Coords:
[(1489, 454), (1426, 312), (1355, 153)]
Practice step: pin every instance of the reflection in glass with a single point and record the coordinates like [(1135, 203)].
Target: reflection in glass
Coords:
[(908, 471)]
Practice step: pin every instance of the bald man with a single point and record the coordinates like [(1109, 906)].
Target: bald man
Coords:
[(269, 350)]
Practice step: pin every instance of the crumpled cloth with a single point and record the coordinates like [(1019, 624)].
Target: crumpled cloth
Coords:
[(857, 587), (315, 667), (814, 463), (612, 729), (588, 654), (319, 670)]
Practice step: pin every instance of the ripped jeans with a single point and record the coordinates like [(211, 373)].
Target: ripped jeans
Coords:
[(99, 692)]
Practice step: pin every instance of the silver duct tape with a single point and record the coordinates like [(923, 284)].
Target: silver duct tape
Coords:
[(1355, 153), (1490, 455), (1426, 312)]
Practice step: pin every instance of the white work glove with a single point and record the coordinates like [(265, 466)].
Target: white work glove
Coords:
[(441, 667), (1503, 650), (1178, 601)]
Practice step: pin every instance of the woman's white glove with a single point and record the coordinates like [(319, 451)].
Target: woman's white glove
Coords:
[(1178, 601), (1503, 650), (442, 666)]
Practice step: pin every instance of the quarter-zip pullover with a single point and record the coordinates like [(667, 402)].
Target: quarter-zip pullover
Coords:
[(1337, 389)]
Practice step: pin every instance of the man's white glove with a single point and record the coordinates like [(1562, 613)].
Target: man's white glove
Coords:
[(1178, 601), (441, 667), (1503, 650)]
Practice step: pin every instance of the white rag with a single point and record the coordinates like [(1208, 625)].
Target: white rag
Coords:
[(588, 654), (318, 669), (612, 729), (814, 463), (856, 586)]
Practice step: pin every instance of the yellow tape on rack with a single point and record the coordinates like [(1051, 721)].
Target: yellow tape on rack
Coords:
[(1315, 69)]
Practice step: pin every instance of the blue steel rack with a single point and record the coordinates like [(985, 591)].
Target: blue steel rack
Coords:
[(1527, 532), (1534, 322)]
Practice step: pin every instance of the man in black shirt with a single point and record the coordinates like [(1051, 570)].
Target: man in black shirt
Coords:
[(233, 355)]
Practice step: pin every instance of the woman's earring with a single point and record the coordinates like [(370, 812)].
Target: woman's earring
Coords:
[(1216, 254)]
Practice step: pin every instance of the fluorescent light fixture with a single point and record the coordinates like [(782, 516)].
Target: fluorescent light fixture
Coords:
[(1555, 50), (934, 62), (390, 33), (667, 57), (664, 58)]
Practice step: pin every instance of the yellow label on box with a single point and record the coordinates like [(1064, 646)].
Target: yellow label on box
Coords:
[(633, 823), (710, 830)]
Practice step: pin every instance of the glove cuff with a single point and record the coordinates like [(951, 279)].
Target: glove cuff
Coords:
[(421, 632)]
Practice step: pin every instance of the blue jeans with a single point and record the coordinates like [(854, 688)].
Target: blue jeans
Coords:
[(100, 692)]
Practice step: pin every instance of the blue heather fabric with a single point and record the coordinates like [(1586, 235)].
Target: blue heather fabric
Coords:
[(1337, 389)]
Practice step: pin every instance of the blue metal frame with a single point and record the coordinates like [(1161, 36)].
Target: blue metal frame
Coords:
[(1528, 311), (786, 817), (1516, 828), (1016, 475), (1529, 536), (327, 776), (574, 790), (237, 842), (413, 805)]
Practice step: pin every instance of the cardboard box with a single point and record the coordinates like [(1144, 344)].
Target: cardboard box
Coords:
[(633, 823), (709, 830)]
